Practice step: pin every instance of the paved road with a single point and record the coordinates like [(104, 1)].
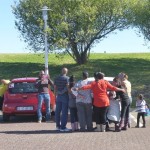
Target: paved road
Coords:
[(23, 133)]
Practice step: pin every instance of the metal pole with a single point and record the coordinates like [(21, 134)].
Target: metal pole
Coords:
[(46, 48), (45, 18)]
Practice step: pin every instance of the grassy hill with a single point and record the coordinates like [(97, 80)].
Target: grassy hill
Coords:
[(136, 65)]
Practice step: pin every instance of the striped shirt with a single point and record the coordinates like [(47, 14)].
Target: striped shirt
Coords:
[(141, 106), (61, 83)]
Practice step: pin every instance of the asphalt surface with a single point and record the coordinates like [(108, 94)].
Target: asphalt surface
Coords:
[(24, 133)]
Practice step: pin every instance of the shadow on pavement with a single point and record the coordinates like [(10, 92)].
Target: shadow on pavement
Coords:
[(35, 132)]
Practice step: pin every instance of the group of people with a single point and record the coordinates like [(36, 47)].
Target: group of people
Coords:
[(82, 105), (87, 101), (101, 100)]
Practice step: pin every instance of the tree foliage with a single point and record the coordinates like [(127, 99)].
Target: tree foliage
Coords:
[(141, 17), (74, 26)]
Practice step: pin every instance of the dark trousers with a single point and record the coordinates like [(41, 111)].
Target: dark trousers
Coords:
[(125, 106), (143, 118), (73, 115), (85, 116), (125, 110), (100, 114)]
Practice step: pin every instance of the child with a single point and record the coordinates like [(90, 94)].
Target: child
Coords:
[(113, 114), (141, 109), (72, 106)]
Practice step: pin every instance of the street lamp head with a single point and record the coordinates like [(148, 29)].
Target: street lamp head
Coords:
[(44, 12)]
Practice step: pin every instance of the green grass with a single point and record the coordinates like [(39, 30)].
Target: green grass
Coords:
[(136, 65)]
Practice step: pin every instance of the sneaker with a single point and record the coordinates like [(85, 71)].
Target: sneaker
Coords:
[(65, 130), (124, 128), (118, 130), (39, 121), (136, 126)]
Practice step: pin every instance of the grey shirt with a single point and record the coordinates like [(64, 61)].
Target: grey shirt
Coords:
[(83, 96)]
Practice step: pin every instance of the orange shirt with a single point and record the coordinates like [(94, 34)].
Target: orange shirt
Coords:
[(99, 89)]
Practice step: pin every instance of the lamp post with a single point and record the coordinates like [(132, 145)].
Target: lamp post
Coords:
[(45, 18)]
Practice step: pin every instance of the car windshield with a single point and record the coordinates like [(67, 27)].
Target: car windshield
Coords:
[(22, 87)]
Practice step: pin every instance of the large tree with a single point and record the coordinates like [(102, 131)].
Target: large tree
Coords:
[(74, 26), (141, 17)]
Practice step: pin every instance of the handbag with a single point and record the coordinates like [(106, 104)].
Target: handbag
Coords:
[(147, 113)]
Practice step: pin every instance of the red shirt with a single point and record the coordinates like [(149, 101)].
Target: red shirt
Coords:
[(99, 89)]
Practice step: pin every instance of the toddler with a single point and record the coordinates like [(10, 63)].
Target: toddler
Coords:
[(141, 109)]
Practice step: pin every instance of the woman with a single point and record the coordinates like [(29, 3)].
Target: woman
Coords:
[(101, 101), (72, 105), (125, 100)]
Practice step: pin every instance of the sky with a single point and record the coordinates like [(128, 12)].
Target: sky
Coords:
[(126, 41)]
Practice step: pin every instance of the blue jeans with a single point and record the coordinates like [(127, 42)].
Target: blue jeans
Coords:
[(46, 98), (61, 113)]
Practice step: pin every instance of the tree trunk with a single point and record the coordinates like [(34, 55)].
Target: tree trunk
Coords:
[(82, 59)]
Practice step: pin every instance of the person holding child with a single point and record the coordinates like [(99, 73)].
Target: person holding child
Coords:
[(42, 84), (127, 86), (125, 104)]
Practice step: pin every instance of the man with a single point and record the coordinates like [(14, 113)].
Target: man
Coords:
[(42, 84), (84, 104), (62, 100)]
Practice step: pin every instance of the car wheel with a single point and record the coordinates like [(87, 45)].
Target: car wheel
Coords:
[(6, 117)]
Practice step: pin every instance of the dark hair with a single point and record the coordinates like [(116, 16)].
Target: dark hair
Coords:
[(115, 79), (71, 81), (85, 74), (95, 76), (141, 96), (100, 75)]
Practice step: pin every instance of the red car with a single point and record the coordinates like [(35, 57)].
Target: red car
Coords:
[(21, 98)]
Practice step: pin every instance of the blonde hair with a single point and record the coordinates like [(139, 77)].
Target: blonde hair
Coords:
[(122, 75)]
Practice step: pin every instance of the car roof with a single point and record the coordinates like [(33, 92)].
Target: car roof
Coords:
[(25, 79), (110, 79)]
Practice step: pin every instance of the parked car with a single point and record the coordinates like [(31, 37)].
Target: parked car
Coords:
[(21, 98), (109, 79)]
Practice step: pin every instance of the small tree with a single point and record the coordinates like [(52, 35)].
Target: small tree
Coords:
[(74, 26)]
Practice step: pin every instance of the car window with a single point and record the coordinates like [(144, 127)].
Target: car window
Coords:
[(22, 87)]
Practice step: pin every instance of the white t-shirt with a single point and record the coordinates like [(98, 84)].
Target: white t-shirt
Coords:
[(141, 106)]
